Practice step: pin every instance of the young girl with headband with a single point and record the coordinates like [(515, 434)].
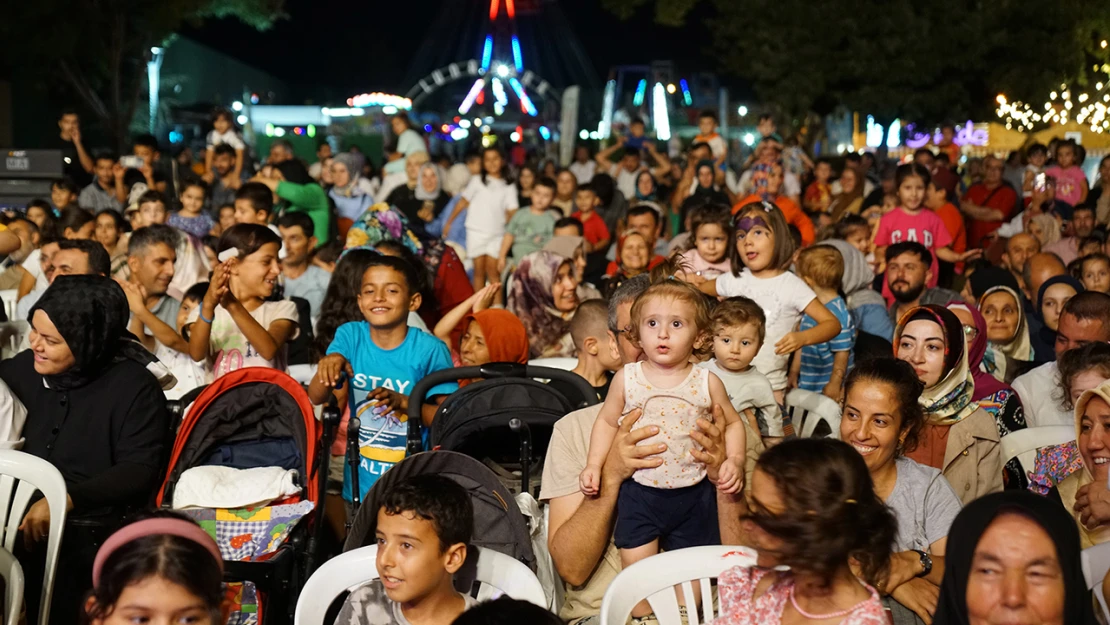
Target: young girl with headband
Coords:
[(764, 249), (159, 570)]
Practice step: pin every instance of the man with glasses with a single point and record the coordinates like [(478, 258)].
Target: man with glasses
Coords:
[(988, 203)]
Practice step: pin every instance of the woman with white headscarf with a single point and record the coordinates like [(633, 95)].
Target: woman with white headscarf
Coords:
[(350, 191)]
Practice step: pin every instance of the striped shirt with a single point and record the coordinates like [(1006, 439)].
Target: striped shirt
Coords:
[(817, 360)]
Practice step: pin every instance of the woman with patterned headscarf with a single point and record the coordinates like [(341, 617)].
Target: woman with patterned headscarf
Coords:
[(960, 438), (543, 295)]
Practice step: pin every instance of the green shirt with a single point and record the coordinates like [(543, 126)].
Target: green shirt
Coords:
[(311, 199), (530, 231)]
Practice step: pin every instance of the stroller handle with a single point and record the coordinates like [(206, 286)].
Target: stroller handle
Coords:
[(489, 371)]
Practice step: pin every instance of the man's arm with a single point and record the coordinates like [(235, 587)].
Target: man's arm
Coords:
[(982, 213), (82, 155), (602, 157), (730, 508)]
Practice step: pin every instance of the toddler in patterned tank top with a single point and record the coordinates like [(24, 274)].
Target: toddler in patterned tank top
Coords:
[(670, 506)]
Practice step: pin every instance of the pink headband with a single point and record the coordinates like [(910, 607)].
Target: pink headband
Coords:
[(154, 527)]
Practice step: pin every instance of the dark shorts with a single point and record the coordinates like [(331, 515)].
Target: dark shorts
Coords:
[(678, 517)]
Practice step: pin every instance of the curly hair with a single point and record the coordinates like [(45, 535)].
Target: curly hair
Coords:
[(531, 300), (831, 513), (664, 285), (1092, 356)]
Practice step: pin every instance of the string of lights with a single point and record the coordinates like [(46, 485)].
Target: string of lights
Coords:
[(1086, 107)]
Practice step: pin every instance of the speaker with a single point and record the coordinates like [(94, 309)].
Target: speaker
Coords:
[(26, 175)]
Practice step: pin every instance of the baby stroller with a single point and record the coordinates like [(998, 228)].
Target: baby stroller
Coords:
[(507, 410), (498, 524), (258, 417)]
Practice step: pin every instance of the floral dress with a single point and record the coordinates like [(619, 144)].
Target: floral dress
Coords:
[(740, 606)]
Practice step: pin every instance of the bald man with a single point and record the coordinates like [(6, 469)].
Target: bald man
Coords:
[(1039, 268)]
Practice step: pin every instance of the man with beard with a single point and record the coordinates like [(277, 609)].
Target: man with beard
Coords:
[(1082, 225), (907, 272), (226, 183)]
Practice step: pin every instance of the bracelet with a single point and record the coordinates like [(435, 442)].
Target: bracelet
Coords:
[(203, 318)]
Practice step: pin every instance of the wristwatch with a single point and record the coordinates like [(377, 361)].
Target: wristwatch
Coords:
[(926, 563)]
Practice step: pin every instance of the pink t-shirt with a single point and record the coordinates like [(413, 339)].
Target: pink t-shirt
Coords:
[(1069, 183), (926, 227)]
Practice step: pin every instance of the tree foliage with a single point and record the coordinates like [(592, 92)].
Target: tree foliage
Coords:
[(897, 58), (98, 49)]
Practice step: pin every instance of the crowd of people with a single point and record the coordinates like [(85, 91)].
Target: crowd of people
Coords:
[(941, 302)]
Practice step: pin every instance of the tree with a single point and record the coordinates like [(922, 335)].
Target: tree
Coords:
[(924, 61), (98, 48)]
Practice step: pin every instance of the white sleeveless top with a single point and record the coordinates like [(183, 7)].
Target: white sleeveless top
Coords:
[(675, 411)]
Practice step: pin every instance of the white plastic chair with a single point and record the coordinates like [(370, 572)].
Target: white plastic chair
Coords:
[(13, 337), (566, 364), (807, 409), (654, 579), (12, 573), (1023, 444), (1096, 563), (354, 568), (21, 475)]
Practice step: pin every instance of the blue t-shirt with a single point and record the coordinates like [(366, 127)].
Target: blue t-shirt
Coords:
[(817, 360), (382, 438)]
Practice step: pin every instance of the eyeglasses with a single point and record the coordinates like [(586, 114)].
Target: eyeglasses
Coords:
[(971, 332)]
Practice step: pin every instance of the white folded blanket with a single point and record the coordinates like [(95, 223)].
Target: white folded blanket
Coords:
[(225, 487)]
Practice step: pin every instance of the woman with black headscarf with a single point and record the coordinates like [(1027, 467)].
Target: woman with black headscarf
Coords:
[(705, 192), (95, 411), (1013, 557)]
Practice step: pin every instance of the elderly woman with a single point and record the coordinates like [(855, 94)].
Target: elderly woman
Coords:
[(632, 260), (1008, 339), (1014, 559), (543, 295), (882, 420), (813, 508), (95, 412), (349, 190), (997, 398), (960, 438)]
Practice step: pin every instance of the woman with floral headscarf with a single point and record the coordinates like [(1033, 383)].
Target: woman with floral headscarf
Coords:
[(543, 295), (960, 438)]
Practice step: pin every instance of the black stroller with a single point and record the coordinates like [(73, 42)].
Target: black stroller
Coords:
[(506, 411)]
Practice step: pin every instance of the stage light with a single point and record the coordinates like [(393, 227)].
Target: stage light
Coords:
[(742, 111), (638, 97), (242, 119), (659, 113), (236, 106)]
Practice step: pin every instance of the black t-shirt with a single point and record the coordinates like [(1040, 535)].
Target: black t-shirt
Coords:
[(71, 163), (576, 399)]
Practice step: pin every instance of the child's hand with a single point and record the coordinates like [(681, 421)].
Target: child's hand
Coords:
[(136, 296), (730, 479), (833, 391), (331, 367), (389, 401), (208, 176), (590, 480), (483, 299), (218, 286), (789, 344), (971, 255)]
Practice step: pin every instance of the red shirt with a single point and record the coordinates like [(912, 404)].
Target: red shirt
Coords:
[(1002, 199), (614, 268), (593, 227), (791, 211), (954, 223)]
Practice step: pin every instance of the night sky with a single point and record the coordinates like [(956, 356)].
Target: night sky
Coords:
[(342, 47)]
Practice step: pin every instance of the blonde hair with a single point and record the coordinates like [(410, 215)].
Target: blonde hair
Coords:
[(822, 264), (664, 285)]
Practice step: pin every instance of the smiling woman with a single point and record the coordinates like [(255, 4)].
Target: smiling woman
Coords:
[(1007, 332), (95, 412), (543, 294), (882, 420)]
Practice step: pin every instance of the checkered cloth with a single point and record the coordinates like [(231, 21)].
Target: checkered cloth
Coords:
[(245, 534)]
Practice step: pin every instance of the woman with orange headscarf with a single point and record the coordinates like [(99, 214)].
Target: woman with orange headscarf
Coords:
[(488, 334)]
